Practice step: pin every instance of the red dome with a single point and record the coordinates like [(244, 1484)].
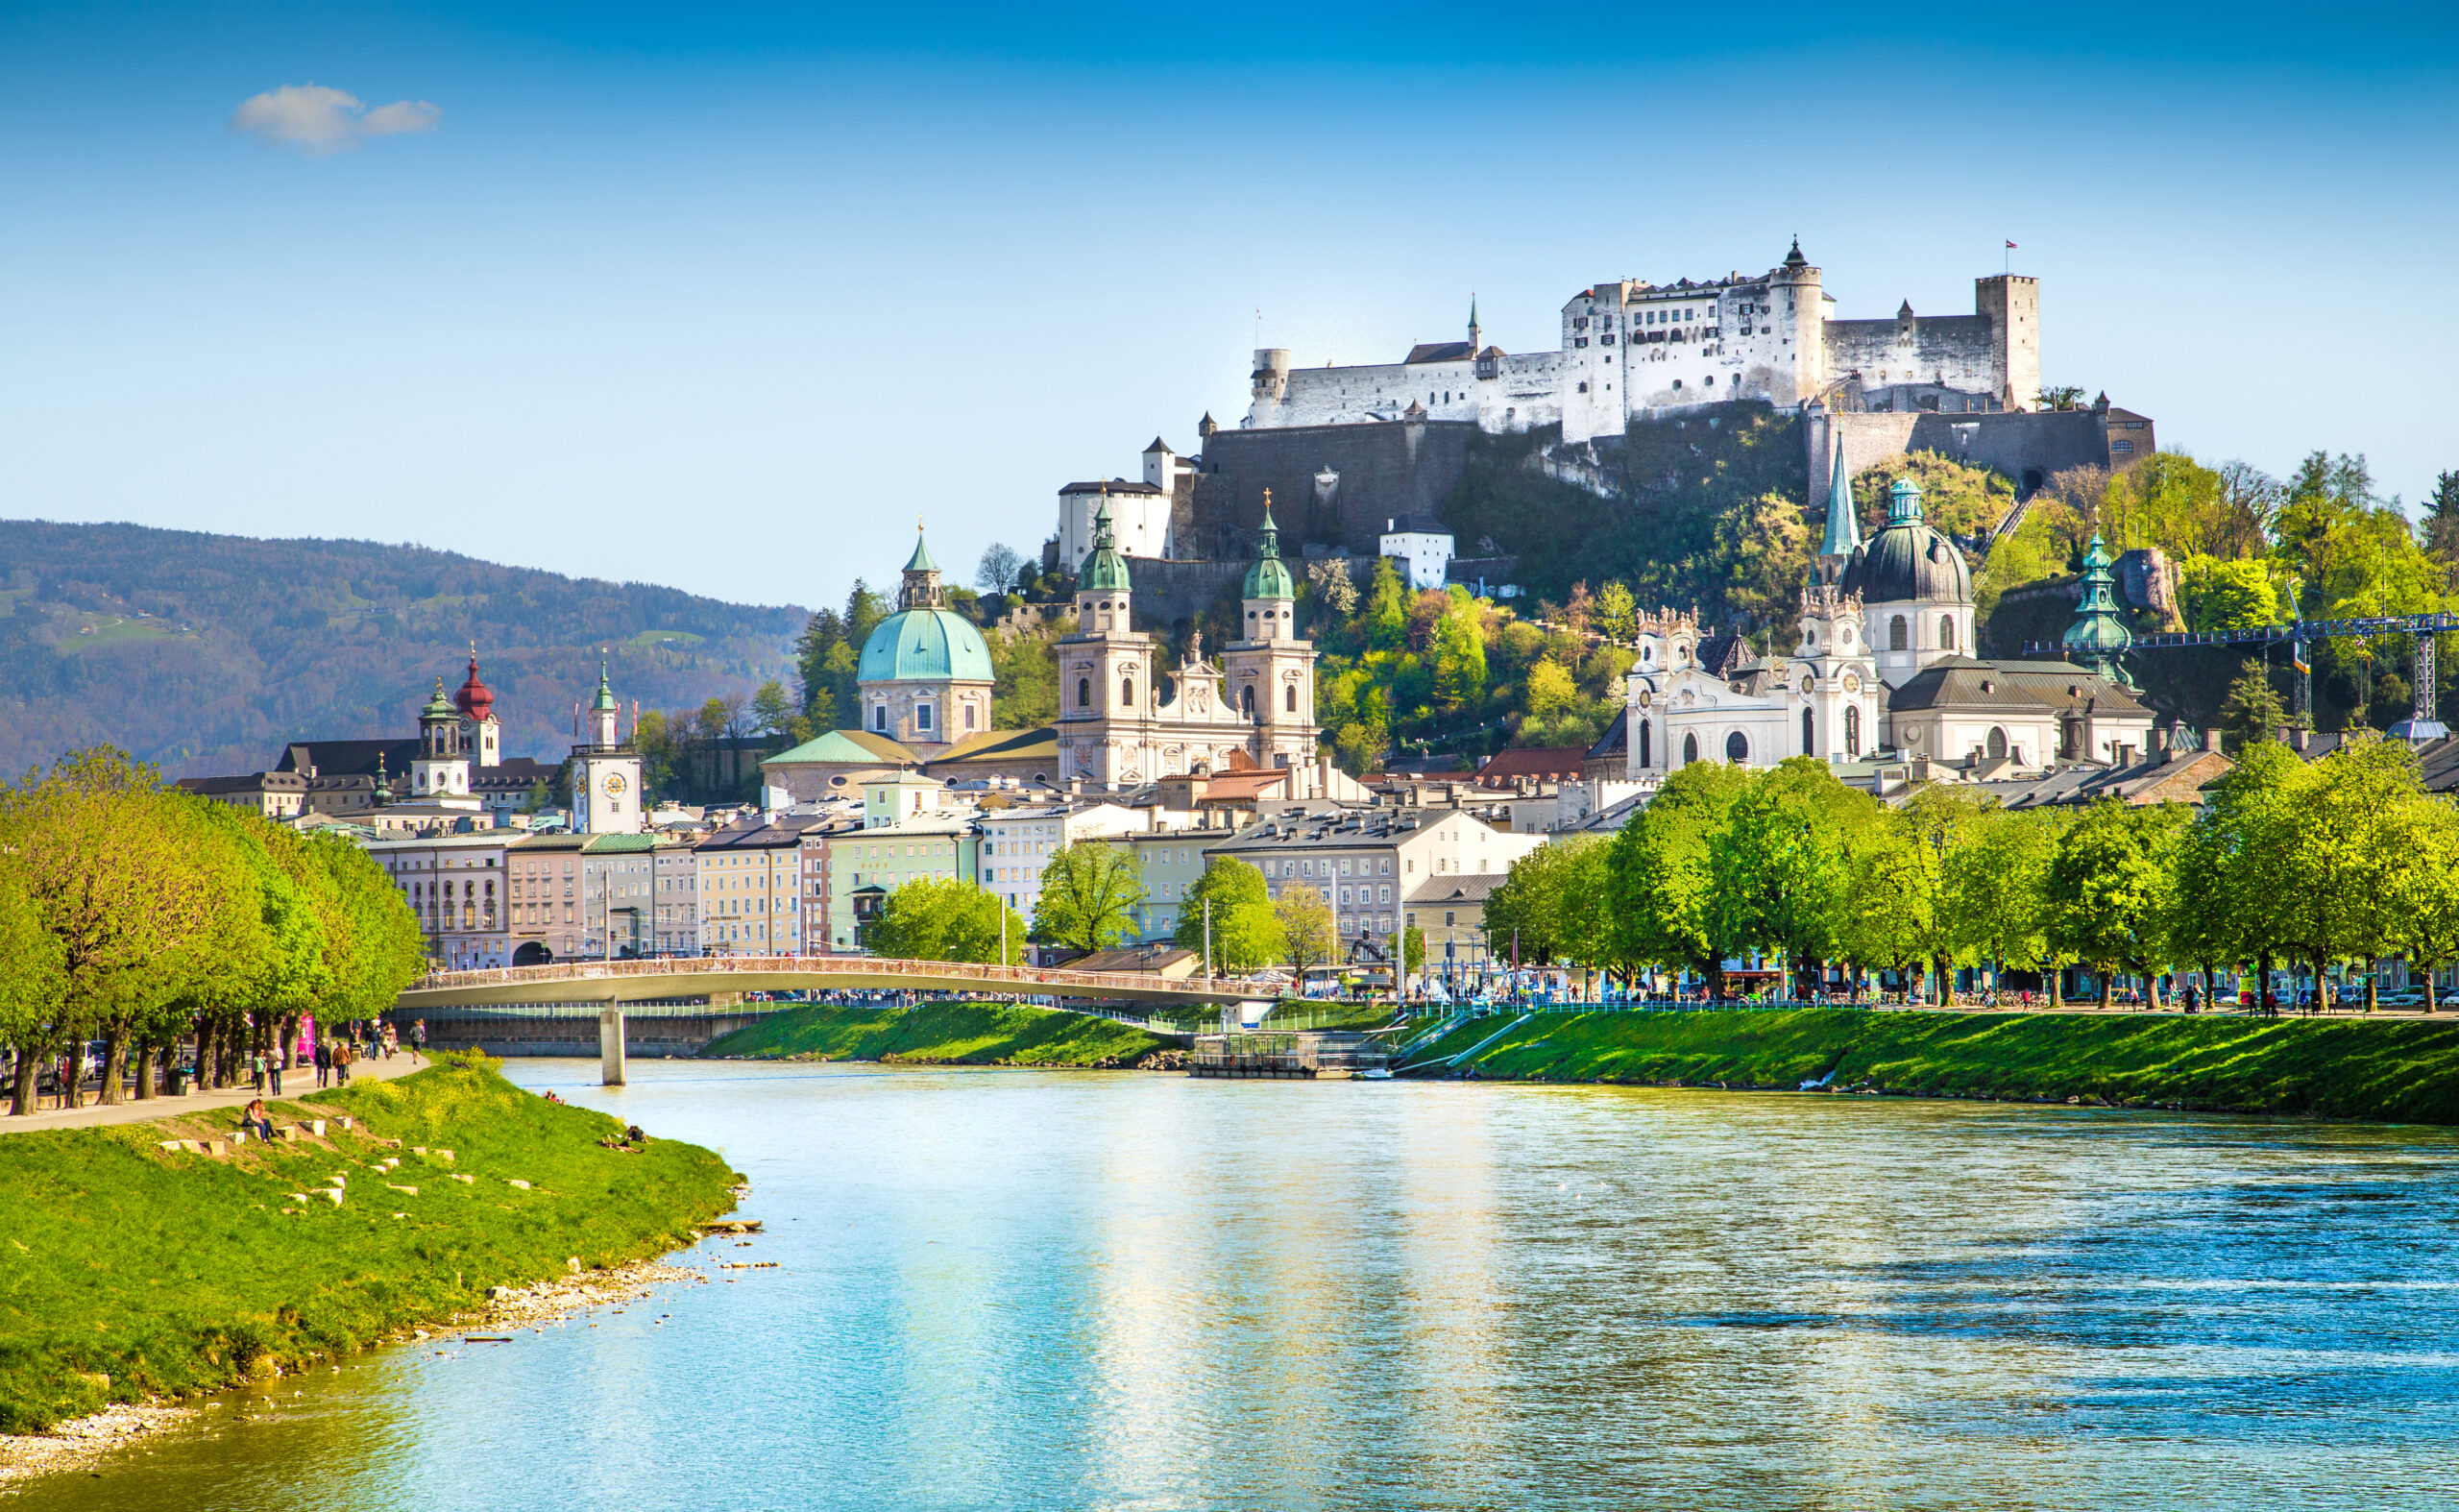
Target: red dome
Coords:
[(472, 697)]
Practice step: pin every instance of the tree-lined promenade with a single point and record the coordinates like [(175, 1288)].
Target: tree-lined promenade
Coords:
[(146, 918), (2287, 864)]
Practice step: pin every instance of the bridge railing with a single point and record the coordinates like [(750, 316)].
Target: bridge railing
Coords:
[(1054, 981)]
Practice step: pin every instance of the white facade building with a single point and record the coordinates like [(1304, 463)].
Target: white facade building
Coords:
[(1017, 844), (1139, 510), (1424, 545), (458, 888)]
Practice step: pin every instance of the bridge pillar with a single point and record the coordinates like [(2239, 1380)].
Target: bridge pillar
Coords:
[(610, 1044)]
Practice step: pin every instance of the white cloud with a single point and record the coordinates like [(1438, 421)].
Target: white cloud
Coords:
[(312, 119)]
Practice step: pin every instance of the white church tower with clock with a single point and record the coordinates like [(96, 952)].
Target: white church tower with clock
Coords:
[(606, 772)]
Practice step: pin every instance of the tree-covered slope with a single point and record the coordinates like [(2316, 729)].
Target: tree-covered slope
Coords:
[(207, 652)]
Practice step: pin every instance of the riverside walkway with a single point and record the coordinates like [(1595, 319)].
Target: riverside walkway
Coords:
[(616, 982), (297, 1083)]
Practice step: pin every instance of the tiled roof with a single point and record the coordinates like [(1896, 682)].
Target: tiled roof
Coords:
[(1440, 351), (1557, 762), (1462, 888), (849, 747)]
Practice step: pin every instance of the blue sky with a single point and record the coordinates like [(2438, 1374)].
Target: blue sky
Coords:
[(725, 297)]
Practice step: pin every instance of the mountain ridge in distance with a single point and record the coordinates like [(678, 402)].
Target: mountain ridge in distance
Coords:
[(207, 653)]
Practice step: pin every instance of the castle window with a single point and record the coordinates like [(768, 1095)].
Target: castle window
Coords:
[(1899, 635), (1289, 698), (1605, 340), (1126, 692), (1083, 692), (1712, 381), (1678, 382), (1583, 388), (1689, 749), (921, 716), (1852, 729), (879, 716), (1579, 341), (1736, 748), (1947, 631), (2122, 448)]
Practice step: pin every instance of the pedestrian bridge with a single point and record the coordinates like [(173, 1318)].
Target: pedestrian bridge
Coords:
[(725, 978)]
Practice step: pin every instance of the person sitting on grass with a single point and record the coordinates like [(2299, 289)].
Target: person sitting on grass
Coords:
[(255, 1122)]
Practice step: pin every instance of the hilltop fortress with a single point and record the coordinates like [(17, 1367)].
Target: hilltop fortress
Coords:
[(1632, 349), (1354, 455)]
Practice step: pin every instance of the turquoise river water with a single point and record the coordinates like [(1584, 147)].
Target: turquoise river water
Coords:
[(1111, 1290)]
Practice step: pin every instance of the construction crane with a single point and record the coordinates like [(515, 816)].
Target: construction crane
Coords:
[(2420, 726)]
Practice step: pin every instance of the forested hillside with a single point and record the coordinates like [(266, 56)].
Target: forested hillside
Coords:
[(207, 653)]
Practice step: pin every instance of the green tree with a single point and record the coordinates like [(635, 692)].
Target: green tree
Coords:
[(772, 711), (1958, 500), (2424, 892), (1763, 552), (34, 974), (1781, 861), (1025, 695), (1995, 890), (1306, 932), (1090, 895), (945, 918), (2109, 884), (1616, 612), (2341, 842), (1889, 910), (2252, 712), (1459, 654), (1550, 694), (1407, 946), (1661, 877), (1245, 932), (2227, 595), (1387, 608)]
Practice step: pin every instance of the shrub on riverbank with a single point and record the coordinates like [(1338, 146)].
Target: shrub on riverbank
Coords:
[(2398, 1070), (136, 1272), (944, 1033)]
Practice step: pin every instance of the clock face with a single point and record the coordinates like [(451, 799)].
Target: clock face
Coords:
[(613, 785)]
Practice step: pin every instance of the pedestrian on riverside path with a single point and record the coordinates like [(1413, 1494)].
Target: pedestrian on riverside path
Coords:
[(343, 1050), (273, 1071), (256, 1071), (324, 1062), (417, 1040)]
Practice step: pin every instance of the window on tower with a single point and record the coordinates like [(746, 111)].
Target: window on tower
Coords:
[(1083, 692)]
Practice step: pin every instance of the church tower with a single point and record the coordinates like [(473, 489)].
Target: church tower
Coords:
[(606, 772), (1272, 673), (1107, 698), (1844, 522), (441, 772)]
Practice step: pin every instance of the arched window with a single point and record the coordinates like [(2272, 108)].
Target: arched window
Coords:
[(1246, 699), (1737, 748), (1644, 744), (1083, 692), (1689, 749), (1289, 698), (1852, 729), (1126, 692), (1898, 634), (1947, 631), (1997, 742), (1810, 735)]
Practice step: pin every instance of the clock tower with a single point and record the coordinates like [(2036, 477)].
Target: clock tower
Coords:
[(606, 773)]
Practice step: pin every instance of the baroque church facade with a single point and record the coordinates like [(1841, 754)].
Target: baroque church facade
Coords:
[(926, 681), (1882, 665)]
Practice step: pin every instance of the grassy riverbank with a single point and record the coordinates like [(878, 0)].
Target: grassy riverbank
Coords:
[(944, 1033), (2403, 1071), (134, 1271)]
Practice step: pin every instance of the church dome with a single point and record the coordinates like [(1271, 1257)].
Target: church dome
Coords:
[(1103, 570), (925, 643), (1907, 561), (1269, 578), (474, 698)]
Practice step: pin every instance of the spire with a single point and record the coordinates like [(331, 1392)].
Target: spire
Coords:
[(1475, 336), (2098, 637), (1843, 525), (1795, 258), (604, 703), (1269, 578), (383, 783), (1103, 570), (921, 590)]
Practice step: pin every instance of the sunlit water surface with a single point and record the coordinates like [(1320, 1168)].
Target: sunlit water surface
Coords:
[(1021, 1289)]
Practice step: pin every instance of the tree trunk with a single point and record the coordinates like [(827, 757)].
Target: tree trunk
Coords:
[(114, 1063), (2210, 979), (2373, 982), (2108, 984), (289, 1048), (2262, 985), (22, 1091), (2053, 976), (2152, 988), (2322, 989), (145, 1070)]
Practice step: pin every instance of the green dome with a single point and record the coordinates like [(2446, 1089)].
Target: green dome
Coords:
[(605, 698), (1103, 570), (1269, 578), (2098, 634), (918, 644), (439, 707)]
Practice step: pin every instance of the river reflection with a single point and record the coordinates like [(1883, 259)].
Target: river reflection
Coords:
[(1006, 1289)]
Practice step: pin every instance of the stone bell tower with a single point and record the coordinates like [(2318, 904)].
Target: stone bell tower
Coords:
[(1272, 672)]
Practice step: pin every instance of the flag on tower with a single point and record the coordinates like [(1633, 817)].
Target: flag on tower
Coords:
[(2011, 244)]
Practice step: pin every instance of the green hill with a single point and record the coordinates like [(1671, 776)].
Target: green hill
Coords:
[(207, 653)]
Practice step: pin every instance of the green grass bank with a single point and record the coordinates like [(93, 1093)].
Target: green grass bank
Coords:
[(136, 1272), (2403, 1072), (947, 1033)]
